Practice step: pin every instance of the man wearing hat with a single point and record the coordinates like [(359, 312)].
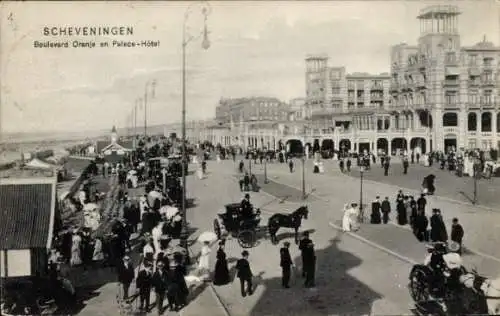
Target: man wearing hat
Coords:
[(286, 264), (246, 207), (126, 275), (244, 274)]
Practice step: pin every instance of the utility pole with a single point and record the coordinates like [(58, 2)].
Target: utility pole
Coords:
[(145, 110)]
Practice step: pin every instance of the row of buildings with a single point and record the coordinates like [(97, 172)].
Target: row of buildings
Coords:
[(439, 95)]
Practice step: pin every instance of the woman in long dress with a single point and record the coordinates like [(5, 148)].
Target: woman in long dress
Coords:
[(98, 254), (76, 255), (349, 220), (204, 261), (221, 274)]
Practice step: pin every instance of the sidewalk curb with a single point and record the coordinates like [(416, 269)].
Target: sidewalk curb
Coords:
[(225, 311), (375, 245)]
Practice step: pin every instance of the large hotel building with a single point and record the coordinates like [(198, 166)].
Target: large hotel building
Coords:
[(439, 95)]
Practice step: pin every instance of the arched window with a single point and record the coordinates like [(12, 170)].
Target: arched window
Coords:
[(472, 122), (486, 122), (450, 120), (387, 123)]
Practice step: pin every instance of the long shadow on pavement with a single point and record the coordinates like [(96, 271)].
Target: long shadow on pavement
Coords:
[(336, 292)]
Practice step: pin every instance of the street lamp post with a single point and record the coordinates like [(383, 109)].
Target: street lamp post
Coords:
[(152, 83), (361, 214), (303, 159), (265, 170), (476, 173), (205, 45), (250, 165)]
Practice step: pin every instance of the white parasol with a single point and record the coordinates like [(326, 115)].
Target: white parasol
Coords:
[(169, 211), (155, 195), (132, 172), (90, 207), (207, 237)]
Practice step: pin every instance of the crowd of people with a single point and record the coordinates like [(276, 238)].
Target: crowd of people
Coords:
[(411, 211)]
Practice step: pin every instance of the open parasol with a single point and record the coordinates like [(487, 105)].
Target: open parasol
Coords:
[(169, 211), (90, 207), (207, 237)]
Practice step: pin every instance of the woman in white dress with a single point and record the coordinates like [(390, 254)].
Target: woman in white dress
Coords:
[(157, 232), (204, 261), (98, 255), (76, 257), (350, 218)]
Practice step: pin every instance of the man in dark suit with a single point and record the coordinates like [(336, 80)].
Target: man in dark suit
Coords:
[(144, 283), (126, 275), (302, 247), (386, 209), (286, 264), (244, 274), (246, 207), (457, 233), (160, 284), (309, 264)]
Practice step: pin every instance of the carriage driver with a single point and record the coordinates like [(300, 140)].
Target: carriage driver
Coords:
[(246, 207)]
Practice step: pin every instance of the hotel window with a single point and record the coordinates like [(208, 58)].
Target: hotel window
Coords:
[(472, 144), (488, 61), (451, 98), (488, 76), (350, 84), (473, 97), (488, 97), (473, 60), (336, 90), (451, 57)]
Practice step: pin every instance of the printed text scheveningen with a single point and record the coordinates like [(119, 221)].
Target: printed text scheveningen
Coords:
[(87, 30)]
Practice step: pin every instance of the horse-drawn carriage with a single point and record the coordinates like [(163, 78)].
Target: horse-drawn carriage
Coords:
[(233, 222), (444, 287)]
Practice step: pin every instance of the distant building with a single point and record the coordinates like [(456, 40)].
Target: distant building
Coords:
[(439, 95), (114, 149), (251, 109), (298, 110)]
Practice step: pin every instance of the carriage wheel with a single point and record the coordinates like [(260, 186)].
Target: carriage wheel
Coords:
[(217, 229), (247, 238), (418, 286)]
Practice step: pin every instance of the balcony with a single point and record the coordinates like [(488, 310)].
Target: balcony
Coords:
[(451, 129), (420, 82), (377, 87), (486, 134), (451, 82), (474, 83), (394, 87), (376, 97), (487, 82)]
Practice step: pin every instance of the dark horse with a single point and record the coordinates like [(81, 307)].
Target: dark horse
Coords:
[(293, 220)]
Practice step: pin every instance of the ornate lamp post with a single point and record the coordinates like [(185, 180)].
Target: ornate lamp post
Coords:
[(186, 39), (303, 159), (361, 211), (149, 84)]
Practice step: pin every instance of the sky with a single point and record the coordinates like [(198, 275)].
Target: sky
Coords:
[(257, 49)]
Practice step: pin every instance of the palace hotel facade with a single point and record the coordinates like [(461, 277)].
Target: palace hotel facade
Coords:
[(438, 95)]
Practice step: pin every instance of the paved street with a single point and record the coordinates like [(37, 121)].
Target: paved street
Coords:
[(447, 184), (346, 283), (481, 226)]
